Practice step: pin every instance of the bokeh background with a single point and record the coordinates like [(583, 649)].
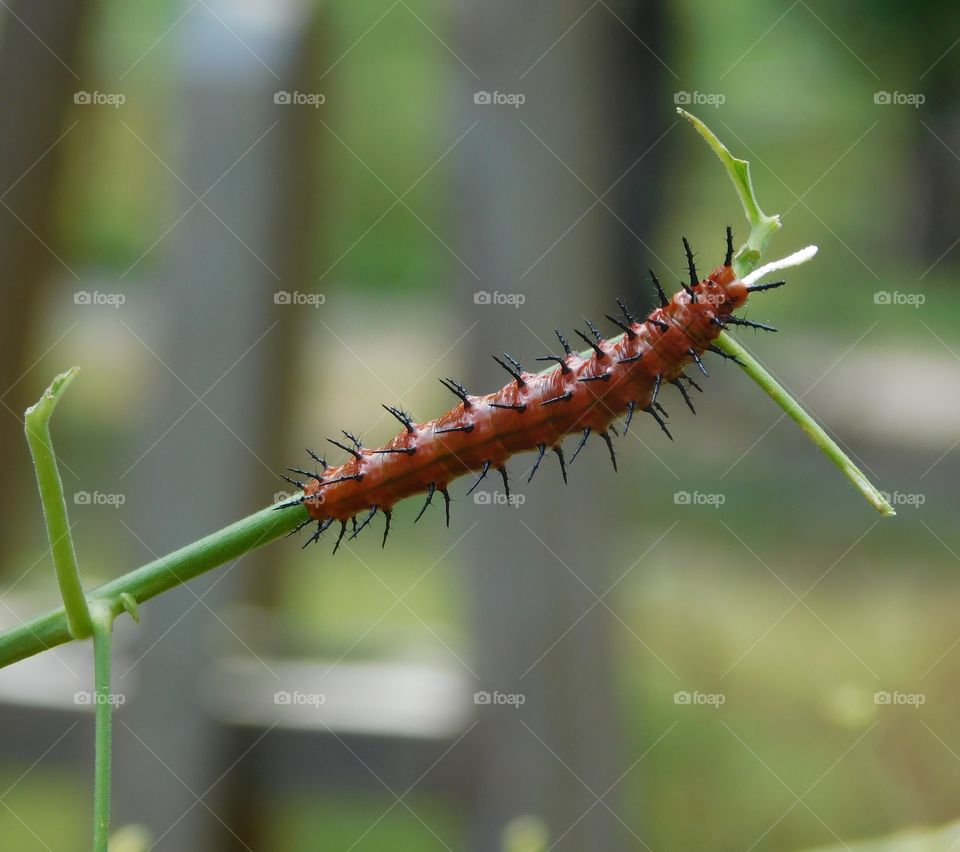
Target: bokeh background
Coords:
[(251, 223)]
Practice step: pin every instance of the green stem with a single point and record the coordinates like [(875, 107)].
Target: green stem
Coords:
[(103, 723), (813, 429), (762, 226), (762, 229), (36, 423), (154, 578)]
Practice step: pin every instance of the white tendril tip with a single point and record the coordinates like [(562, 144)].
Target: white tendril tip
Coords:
[(794, 259)]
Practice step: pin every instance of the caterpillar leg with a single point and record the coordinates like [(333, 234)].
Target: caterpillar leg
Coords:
[(481, 477), (343, 529), (542, 449), (563, 465), (446, 503), (387, 513), (580, 446), (696, 360), (322, 527), (366, 520), (684, 394), (653, 412), (725, 355), (431, 488), (506, 483), (609, 443), (299, 527)]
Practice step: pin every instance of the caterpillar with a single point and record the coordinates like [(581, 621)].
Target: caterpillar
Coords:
[(582, 393)]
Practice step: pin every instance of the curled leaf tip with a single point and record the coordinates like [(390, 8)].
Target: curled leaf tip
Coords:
[(49, 398)]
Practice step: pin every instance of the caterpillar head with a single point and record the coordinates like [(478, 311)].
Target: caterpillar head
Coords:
[(724, 291), (732, 292)]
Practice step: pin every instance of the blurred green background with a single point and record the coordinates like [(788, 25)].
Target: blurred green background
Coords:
[(792, 600)]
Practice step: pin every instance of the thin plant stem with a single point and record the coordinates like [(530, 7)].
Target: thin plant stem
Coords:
[(49, 630), (102, 617), (747, 259), (814, 430), (37, 427)]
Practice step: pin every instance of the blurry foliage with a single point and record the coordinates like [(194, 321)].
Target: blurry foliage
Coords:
[(387, 99), (910, 840), (331, 821), (33, 795)]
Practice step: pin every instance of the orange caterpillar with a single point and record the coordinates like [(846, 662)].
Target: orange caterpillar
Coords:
[(535, 411)]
